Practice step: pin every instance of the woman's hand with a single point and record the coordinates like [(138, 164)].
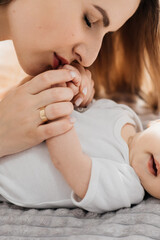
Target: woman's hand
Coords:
[(83, 94), (20, 123)]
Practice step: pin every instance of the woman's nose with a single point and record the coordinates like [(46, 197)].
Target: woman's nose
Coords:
[(86, 54)]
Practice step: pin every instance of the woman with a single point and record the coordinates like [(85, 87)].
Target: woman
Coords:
[(48, 34)]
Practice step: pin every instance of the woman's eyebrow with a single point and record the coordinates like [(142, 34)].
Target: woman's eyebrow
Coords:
[(106, 20)]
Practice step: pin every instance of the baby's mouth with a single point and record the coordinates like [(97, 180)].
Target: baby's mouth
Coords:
[(153, 166)]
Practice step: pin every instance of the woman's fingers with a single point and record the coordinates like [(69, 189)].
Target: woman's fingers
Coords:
[(48, 79), (77, 79), (20, 112), (82, 93), (56, 110), (53, 95), (88, 97), (86, 87), (86, 93), (55, 128)]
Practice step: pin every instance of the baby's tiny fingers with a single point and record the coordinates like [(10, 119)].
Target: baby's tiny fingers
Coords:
[(78, 100), (86, 98)]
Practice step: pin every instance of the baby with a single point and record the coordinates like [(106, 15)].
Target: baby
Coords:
[(104, 163)]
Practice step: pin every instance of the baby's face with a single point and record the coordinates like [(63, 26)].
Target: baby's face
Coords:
[(145, 158)]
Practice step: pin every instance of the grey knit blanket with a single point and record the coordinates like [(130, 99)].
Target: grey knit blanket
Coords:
[(140, 222)]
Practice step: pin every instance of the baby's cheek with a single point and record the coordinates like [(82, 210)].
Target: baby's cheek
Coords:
[(137, 166)]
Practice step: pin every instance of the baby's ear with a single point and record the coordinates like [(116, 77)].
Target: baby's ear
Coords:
[(153, 122)]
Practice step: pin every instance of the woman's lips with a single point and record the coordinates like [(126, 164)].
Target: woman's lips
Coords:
[(58, 61)]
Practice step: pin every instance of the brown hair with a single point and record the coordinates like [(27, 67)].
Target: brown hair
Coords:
[(4, 1), (130, 52)]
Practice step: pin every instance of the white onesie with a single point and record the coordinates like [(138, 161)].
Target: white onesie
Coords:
[(29, 178)]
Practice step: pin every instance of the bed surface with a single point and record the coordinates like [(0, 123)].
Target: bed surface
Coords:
[(141, 222)]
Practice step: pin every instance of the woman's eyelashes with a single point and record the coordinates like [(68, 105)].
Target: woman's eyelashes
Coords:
[(87, 21)]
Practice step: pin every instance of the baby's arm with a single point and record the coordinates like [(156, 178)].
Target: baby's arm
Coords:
[(65, 150), (67, 156)]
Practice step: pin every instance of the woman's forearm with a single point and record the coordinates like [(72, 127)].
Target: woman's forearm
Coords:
[(67, 156)]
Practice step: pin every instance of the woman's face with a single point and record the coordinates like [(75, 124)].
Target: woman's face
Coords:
[(50, 33)]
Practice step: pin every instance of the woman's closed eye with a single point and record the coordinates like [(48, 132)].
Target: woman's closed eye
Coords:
[(87, 21)]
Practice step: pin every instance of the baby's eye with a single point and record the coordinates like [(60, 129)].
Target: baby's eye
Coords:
[(88, 23)]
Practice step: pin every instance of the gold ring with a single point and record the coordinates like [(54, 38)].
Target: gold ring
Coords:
[(42, 114)]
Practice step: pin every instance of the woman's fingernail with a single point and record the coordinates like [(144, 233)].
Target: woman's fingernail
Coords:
[(73, 119), (78, 101), (85, 91), (73, 74)]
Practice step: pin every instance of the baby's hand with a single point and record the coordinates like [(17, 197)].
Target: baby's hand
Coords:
[(76, 81), (84, 93)]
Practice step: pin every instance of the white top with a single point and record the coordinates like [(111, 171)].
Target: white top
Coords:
[(29, 178)]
